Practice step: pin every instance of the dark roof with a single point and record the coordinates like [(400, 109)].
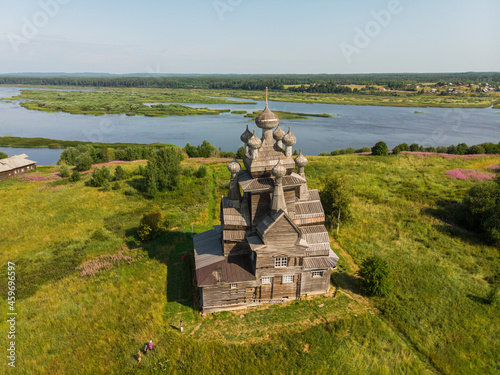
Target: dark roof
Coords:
[(233, 269)]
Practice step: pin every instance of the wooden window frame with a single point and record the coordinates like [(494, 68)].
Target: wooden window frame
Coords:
[(234, 286), (287, 279), (278, 262), (316, 274), (269, 278)]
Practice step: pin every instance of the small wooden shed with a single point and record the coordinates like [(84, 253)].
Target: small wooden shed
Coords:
[(17, 164)]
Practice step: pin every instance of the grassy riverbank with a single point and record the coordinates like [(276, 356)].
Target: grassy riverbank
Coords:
[(38, 142), (435, 322)]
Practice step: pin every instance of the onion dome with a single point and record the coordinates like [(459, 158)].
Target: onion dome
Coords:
[(279, 170), (301, 160), (289, 139), (254, 142), (267, 119), (278, 134), (234, 166), (246, 136)]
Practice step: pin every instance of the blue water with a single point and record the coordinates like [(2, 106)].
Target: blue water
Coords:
[(350, 126)]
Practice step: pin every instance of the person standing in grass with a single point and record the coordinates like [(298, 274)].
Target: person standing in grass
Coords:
[(150, 345), (182, 326), (139, 357)]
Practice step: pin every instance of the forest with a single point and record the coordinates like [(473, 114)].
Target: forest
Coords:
[(278, 82)]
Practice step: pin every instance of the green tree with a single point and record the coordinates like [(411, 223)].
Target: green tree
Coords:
[(377, 277), (84, 162), (120, 173), (240, 153), (3, 155), (100, 177), (414, 147), (336, 199), (163, 170), (380, 149), (152, 224)]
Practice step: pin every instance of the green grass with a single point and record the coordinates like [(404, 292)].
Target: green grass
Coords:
[(130, 103), (38, 142), (402, 99), (436, 320)]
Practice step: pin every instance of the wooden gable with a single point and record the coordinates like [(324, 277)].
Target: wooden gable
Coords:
[(280, 231)]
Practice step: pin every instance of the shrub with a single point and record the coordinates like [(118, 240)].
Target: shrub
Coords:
[(84, 162), (442, 149), (403, 147), (120, 173), (201, 172), (152, 224), (396, 150), (130, 191), (64, 171), (377, 276), (380, 149), (116, 186), (364, 149), (99, 177), (3, 155), (414, 147), (476, 149), (106, 185), (75, 176)]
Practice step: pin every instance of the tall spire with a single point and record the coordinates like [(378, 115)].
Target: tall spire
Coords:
[(266, 97)]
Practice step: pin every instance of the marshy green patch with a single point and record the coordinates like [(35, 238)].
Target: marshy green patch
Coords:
[(290, 115), (130, 103)]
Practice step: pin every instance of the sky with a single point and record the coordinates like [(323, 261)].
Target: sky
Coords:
[(249, 36)]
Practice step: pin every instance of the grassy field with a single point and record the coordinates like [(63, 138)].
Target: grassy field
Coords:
[(436, 321)]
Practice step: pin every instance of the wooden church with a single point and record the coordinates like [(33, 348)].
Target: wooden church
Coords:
[(272, 244)]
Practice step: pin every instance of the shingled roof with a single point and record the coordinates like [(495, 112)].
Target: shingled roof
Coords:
[(15, 162)]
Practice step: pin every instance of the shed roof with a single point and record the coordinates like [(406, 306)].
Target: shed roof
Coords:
[(321, 262), (14, 162), (232, 269)]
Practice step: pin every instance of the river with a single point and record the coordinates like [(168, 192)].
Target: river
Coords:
[(350, 126)]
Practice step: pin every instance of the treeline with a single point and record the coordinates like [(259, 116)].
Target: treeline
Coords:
[(276, 82), (83, 156), (460, 149)]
